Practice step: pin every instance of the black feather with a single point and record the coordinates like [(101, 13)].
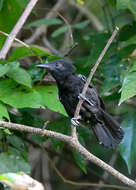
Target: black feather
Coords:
[(70, 85)]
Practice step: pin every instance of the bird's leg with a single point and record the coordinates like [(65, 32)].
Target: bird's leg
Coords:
[(80, 96), (75, 122)]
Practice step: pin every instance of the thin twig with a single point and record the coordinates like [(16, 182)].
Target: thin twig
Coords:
[(69, 28), (77, 111), (50, 152), (24, 44), (85, 184), (19, 41), (17, 28), (70, 50), (73, 143), (48, 45)]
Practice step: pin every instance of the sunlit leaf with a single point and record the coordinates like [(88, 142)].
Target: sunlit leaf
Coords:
[(50, 98), (4, 69), (128, 89), (23, 51), (18, 74), (3, 111), (18, 96)]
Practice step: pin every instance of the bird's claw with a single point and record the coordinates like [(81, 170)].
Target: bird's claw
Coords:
[(80, 96), (75, 122)]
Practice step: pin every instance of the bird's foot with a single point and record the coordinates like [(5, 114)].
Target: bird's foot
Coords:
[(75, 122), (80, 96)]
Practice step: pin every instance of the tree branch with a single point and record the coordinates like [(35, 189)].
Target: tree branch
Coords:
[(17, 28), (73, 143), (84, 184), (77, 111)]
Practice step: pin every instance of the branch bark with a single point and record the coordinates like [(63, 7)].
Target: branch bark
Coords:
[(73, 143), (17, 28)]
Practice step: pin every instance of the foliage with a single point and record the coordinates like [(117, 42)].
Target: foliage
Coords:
[(21, 87)]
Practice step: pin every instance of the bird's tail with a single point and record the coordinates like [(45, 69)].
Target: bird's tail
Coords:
[(109, 132)]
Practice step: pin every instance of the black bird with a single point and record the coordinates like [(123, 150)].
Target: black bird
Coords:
[(106, 129)]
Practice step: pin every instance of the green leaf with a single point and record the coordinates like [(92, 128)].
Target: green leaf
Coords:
[(3, 111), (63, 29), (35, 73), (129, 87), (81, 25), (1, 4), (16, 142), (127, 4), (81, 2), (111, 71), (18, 74), (122, 4), (47, 22), (13, 163), (133, 68), (18, 96), (52, 58), (10, 13), (127, 147), (22, 52), (59, 31), (129, 29), (126, 51), (4, 69), (132, 7), (109, 85), (83, 132), (79, 160), (7, 131), (61, 125), (50, 98), (97, 42)]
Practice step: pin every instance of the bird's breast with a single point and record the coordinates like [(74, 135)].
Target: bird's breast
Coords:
[(69, 99)]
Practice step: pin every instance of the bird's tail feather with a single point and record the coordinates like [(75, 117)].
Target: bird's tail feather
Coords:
[(108, 133), (104, 136), (113, 126)]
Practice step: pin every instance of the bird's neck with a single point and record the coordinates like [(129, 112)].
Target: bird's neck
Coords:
[(65, 82)]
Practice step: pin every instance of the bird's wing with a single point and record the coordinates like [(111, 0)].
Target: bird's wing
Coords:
[(92, 94)]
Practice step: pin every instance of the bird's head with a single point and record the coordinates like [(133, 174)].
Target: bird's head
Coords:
[(59, 69)]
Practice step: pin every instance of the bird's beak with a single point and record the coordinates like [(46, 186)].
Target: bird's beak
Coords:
[(44, 66)]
